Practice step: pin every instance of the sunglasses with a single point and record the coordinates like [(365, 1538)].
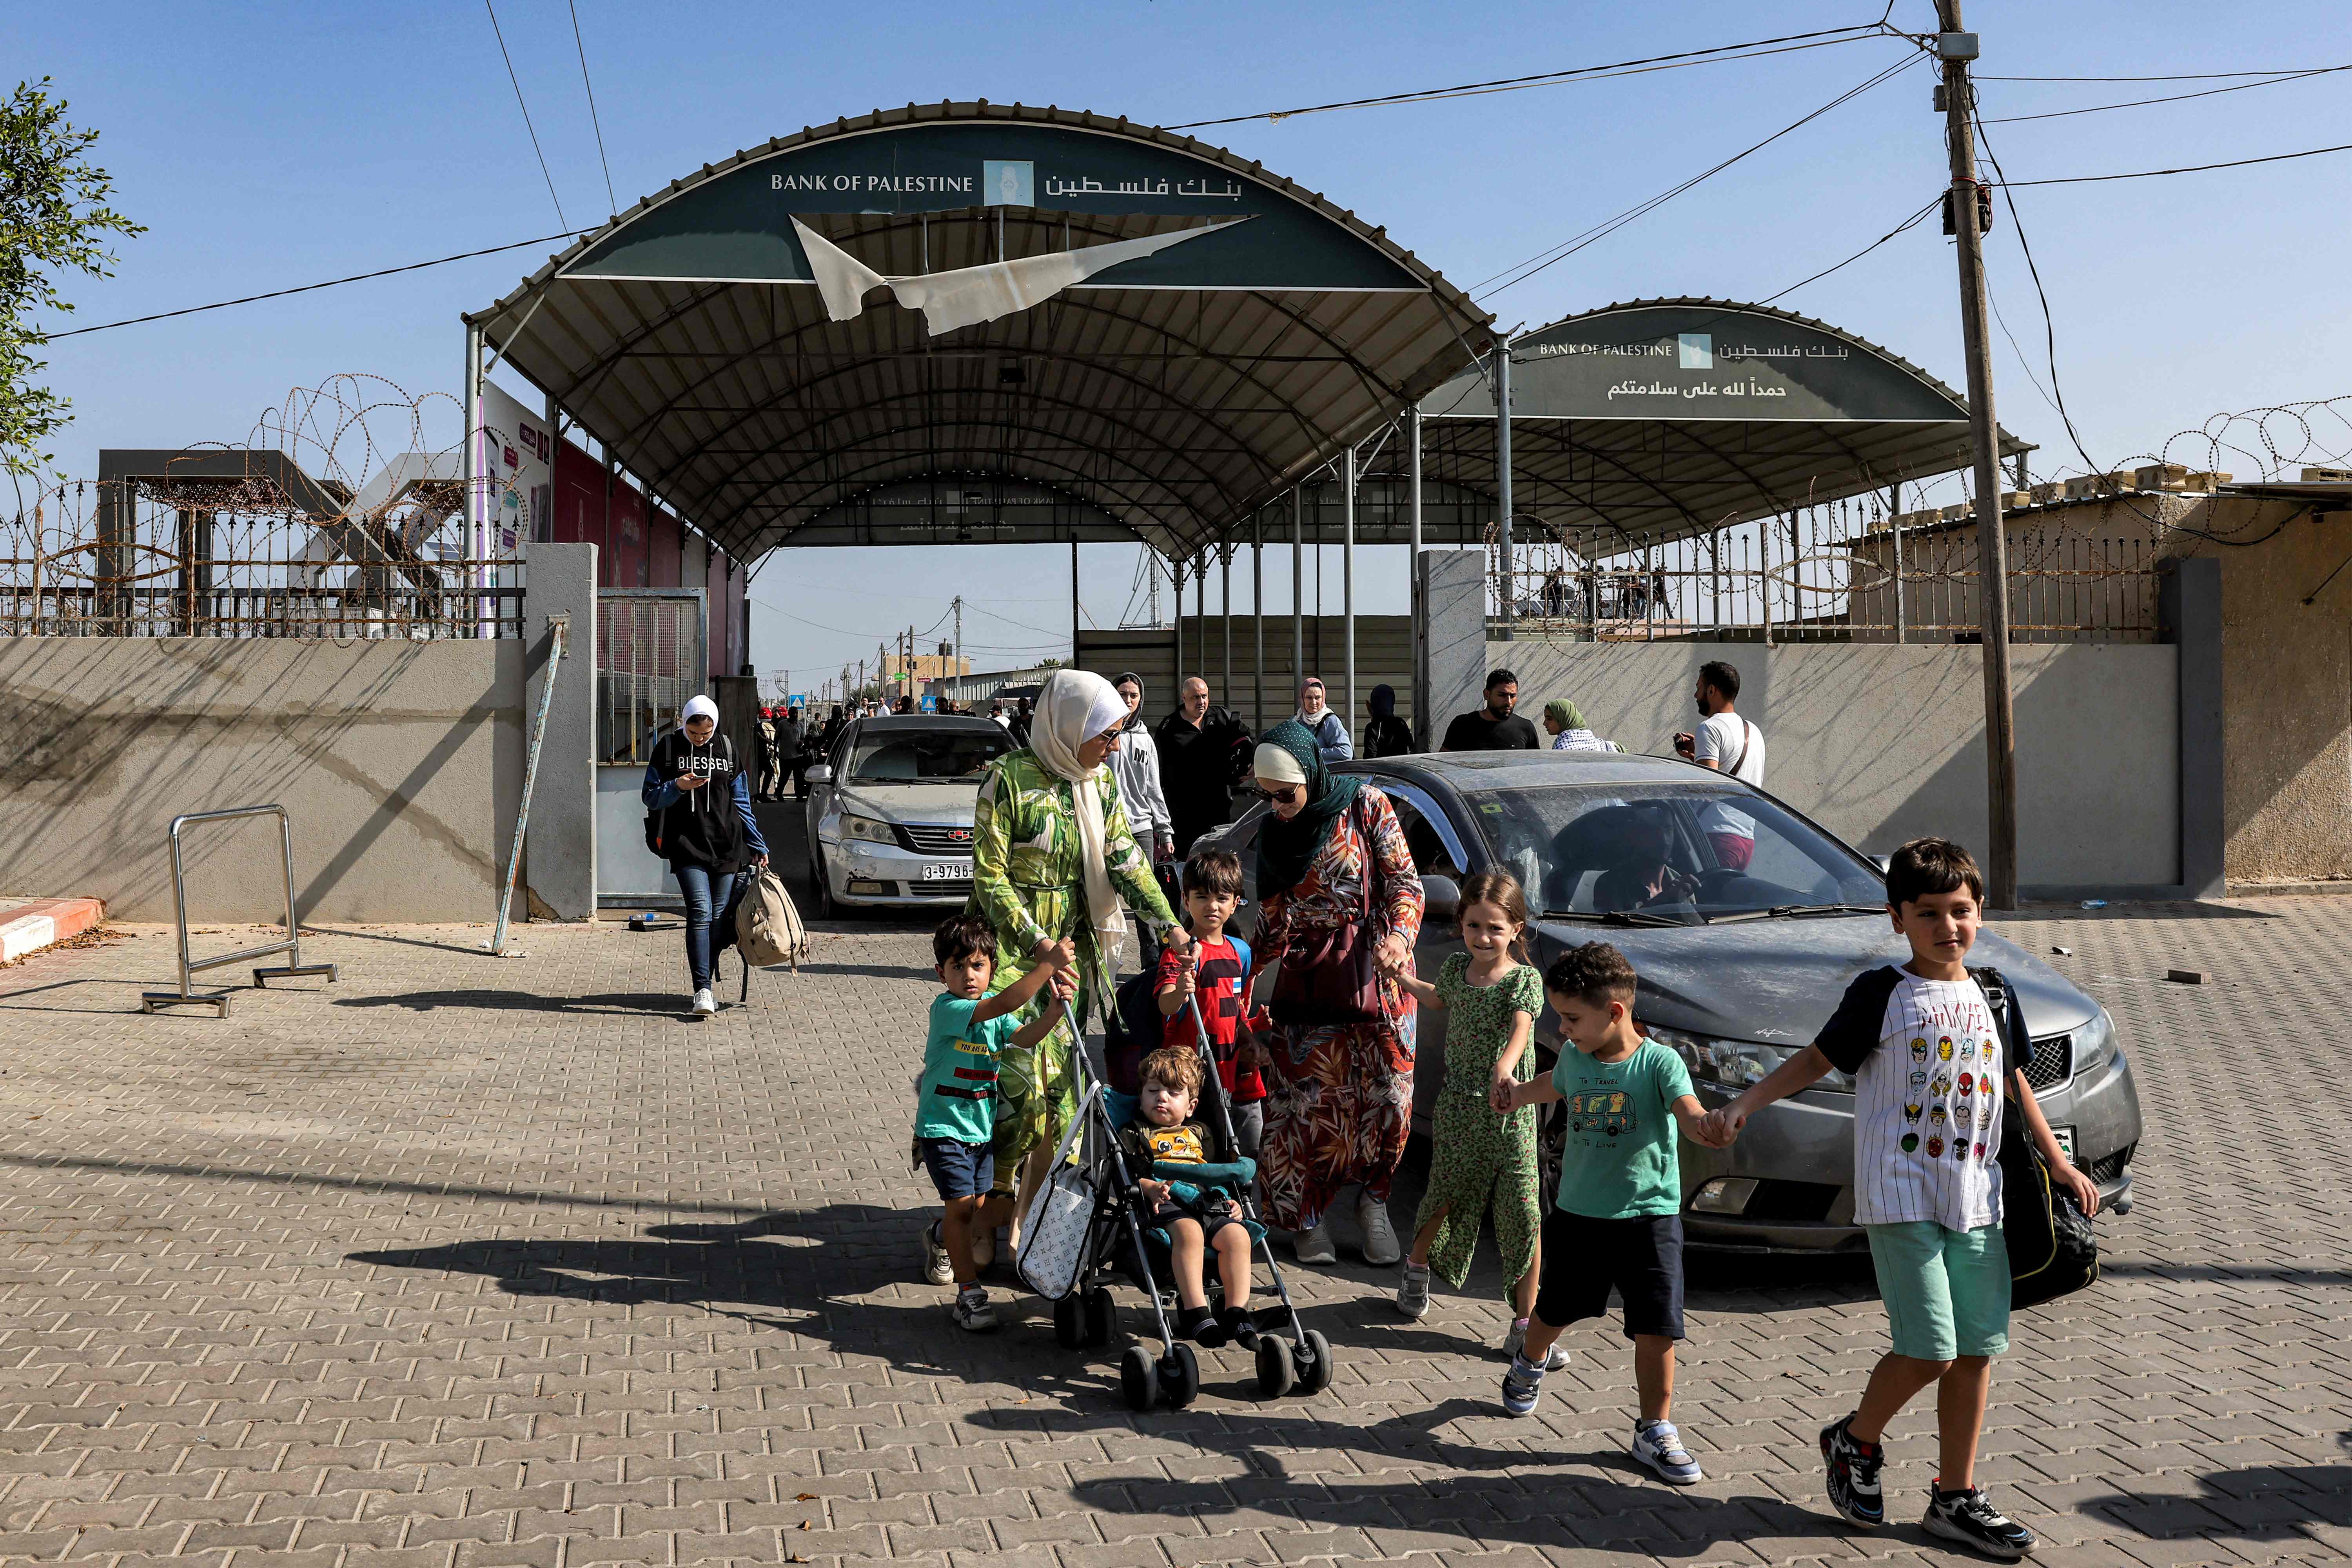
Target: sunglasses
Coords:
[(1282, 796)]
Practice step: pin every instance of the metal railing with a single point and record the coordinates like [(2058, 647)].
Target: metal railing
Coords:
[(292, 946), (1810, 578)]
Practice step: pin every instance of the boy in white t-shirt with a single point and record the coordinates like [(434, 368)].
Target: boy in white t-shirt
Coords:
[(1930, 1081), (1730, 744)]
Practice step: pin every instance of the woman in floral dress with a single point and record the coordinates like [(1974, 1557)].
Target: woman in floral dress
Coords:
[(1053, 856), (1339, 1103)]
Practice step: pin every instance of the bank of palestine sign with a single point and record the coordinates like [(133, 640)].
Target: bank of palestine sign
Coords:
[(1685, 362), (738, 226)]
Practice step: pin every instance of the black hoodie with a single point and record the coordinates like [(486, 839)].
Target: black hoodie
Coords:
[(701, 827)]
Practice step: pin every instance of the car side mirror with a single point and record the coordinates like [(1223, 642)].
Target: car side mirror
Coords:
[(819, 774), (1885, 862), (1440, 898)]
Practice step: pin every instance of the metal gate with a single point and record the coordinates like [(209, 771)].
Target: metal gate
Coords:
[(653, 652)]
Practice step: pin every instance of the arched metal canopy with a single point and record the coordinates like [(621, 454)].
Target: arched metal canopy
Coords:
[(1171, 396), (1661, 419)]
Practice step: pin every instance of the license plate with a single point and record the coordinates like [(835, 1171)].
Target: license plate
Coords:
[(948, 872), (2065, 1136)]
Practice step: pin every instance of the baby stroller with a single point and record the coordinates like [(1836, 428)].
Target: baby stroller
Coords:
[(1082, 1230)]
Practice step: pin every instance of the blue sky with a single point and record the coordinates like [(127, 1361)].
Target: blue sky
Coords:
[(269, 144)]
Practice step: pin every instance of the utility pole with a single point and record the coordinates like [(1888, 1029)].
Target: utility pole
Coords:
[(1957, 48), (958, 608)]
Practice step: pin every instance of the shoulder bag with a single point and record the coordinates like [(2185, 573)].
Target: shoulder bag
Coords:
[(1335, 977), (2052, 1249)]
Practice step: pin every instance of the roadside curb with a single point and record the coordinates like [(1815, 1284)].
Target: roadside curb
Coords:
[(29, 927)]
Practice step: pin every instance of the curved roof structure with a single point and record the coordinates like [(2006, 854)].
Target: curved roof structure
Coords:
[(723, 339), (1659, 419)]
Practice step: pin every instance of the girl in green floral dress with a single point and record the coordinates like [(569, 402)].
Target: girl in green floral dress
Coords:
[(1053, 856), (1482, 1159)]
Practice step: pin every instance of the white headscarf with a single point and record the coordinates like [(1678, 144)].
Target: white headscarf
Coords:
[(1073, 708), (699, 708)]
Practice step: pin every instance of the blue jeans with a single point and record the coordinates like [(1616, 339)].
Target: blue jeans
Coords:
[(705, 901)]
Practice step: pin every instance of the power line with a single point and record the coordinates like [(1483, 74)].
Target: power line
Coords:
[(599, 124), (1520, 272), (307, 288), (2184, 169), (2191, 76), (1855, 33), (1907, 223), (526, 125), (2173, 98)]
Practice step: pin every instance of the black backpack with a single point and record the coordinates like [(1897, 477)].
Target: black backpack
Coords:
[(2052, 1249), (654, 818)]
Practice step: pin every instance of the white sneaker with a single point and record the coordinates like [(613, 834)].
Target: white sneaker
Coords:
[(1413, 1295), (1381, 1247), (936, 1267), (983, 1249), (1515, 1343), (1315, 1245), (705, 1004)]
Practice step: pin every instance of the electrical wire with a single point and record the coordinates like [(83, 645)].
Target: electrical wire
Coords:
[(526, 125), (1520, 272), (1853, 34), (2174, 97), (307, 288), (1900, 227), (2184, 169), (579, 44), (2191, 76)]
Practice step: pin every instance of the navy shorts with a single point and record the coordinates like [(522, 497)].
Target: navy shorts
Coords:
[(1642, 1256), (960, 1170)]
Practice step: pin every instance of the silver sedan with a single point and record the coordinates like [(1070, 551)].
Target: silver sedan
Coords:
[(891, 812)]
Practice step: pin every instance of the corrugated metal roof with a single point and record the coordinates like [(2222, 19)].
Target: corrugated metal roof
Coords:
[(1175, 411)]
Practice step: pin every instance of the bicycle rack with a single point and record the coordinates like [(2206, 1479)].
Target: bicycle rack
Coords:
[(292, 946)]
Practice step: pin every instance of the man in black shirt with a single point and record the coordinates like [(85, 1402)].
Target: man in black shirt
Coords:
[(1494, 728), (1202, 753)]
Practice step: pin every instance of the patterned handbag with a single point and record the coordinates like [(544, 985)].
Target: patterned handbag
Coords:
[(1335, 978), (1054, 1234)]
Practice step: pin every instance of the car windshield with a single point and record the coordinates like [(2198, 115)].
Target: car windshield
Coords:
[(926, 756), (1676, 854)]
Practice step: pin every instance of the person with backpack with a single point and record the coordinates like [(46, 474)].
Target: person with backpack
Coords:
[(698, 819)]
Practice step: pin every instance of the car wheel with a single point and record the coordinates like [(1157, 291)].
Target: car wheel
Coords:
[(822, 904)]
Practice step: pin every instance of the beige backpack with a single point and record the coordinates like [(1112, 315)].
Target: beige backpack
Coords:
[(768, 929)]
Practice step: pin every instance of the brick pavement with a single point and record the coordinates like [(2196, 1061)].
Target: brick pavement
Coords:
[(467, 1262)]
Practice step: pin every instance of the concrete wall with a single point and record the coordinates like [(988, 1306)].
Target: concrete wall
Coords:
[(1880, 743), (1383, 657), (401, 764), (560, 855)]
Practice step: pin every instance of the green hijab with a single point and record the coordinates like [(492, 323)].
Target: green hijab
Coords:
[(1285, 849), (1562, 713)]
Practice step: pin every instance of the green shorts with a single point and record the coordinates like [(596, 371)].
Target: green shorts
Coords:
[(1947, 1291)]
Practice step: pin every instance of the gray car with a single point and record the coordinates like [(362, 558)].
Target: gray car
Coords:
[(889, 811), (1746, 921)]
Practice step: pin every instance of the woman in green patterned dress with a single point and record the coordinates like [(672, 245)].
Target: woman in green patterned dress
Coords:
[(1053, 856)]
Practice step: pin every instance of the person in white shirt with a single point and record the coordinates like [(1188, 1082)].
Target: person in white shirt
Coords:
[(1729, 743)]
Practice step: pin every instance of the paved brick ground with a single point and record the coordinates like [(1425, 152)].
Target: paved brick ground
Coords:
[(466, 1262)]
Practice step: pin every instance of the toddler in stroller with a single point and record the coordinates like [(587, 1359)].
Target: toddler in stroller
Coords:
[(1191, 1184)]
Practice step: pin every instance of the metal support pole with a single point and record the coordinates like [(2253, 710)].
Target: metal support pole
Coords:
[(1257, 622), (1992, 542), (1895, 527), (1226, 611), (470, 553), (1412, 575), (1176, 610), (1348, 586), (559, 631), (1298, 588), (1074, 604), (1503, 473)]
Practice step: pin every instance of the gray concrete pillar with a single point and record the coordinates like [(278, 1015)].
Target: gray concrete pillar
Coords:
[(1454, 630), (2189, 608), (560, 848)]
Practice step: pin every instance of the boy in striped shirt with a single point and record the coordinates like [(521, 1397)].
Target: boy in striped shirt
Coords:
[(1931, 1073)]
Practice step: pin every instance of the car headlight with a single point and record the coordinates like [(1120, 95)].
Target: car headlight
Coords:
[(1736, 1065), (867, 828), (2094, 1042)]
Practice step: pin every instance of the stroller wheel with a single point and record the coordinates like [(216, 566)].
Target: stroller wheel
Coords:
[(1139, 1380), (1069, 1324), (1099, 1318), (1179, 1376), (1276, 1371), (1314, 1364)]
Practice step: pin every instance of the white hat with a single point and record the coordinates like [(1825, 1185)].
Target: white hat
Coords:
[(1274, 762), (699, 708)]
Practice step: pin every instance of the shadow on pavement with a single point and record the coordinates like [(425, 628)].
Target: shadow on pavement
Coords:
[(669, 1001)]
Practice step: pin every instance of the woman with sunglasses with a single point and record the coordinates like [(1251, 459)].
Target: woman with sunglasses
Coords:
[(1333, 876), (1054, 856)]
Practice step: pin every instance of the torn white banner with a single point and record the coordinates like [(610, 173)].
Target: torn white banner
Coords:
[(970, 295)]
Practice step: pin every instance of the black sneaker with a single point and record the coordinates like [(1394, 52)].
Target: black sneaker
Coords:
[(1853, 1468), (1965, 1516)]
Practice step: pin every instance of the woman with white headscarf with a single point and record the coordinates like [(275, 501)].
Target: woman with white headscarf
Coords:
[(1053, 857), (703, 826)]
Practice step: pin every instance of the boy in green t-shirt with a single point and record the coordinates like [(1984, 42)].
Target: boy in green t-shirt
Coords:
[(1618, 1218), (955, 1098)]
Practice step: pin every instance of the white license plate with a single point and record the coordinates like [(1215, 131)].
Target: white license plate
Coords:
[(948, 872), (2065, 1136)]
